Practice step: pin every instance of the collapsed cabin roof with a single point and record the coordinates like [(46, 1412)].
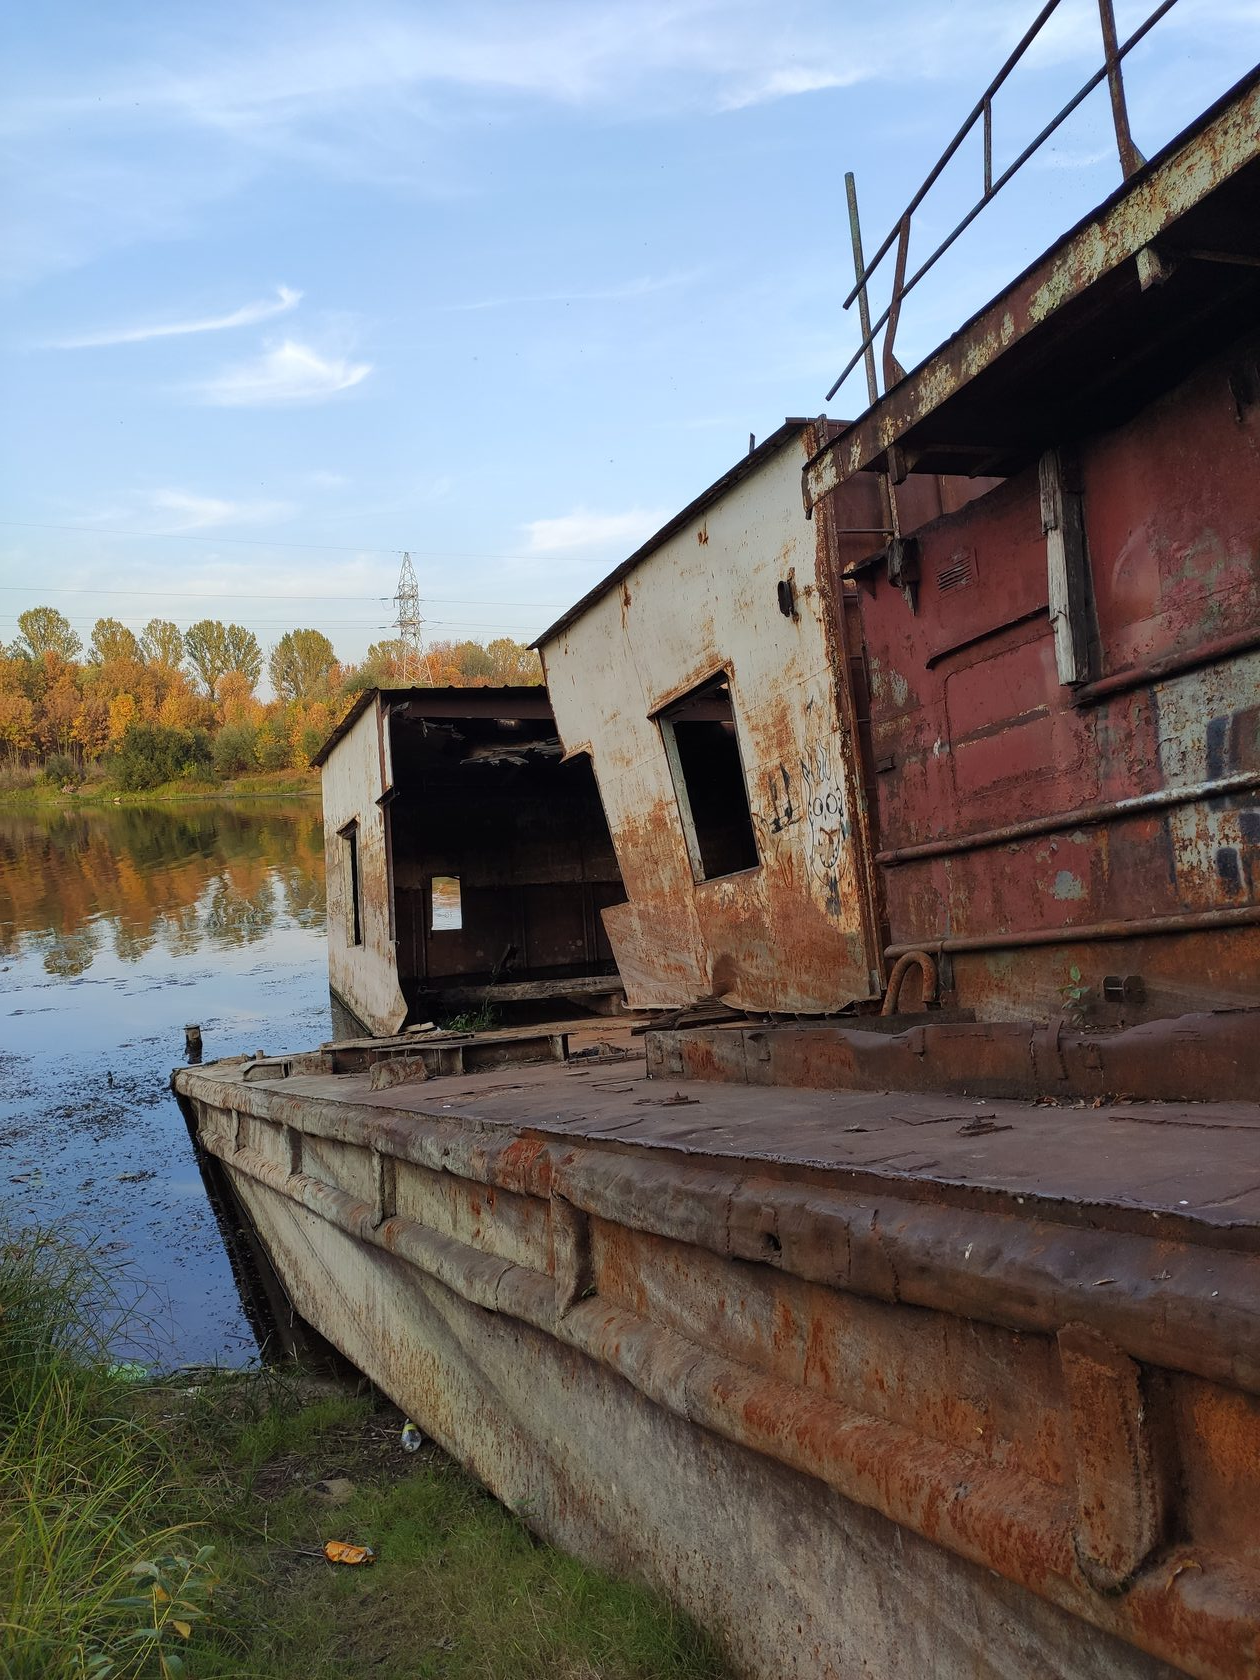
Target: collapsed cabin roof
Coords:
[(515, 701), (756, 457)]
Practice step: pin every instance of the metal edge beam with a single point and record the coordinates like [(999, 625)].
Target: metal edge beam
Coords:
[(1108, 239)]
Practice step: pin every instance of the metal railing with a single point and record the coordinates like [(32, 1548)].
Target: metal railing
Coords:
[(1130, 160)]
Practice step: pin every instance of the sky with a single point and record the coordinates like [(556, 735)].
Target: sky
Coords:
[(289, 290)]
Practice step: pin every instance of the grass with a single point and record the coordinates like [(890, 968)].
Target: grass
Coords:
[(177, 1528), (481, 1019), (82, 1482), (19, 792)]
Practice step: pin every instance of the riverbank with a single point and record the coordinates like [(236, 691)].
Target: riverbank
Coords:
[(177, 1527), (41, 795)]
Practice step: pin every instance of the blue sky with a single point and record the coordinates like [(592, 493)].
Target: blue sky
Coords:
[(291, 289)]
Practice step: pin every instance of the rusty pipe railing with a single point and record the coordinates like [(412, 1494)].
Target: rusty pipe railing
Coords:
[(982, 112)]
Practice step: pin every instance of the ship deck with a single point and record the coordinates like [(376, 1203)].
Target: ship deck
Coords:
[(1197, 1163)]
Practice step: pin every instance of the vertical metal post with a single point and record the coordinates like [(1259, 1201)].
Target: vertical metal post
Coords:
[(1131, 160), (864, 308), (868, 348)]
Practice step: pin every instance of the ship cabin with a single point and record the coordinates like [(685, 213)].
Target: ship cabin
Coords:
[(467, 862), (714, 681), (970, 741)]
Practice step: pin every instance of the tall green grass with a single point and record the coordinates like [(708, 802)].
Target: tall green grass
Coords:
[(153, 1531), (86, 1551)]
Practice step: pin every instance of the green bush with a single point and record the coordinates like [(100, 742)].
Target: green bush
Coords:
[(275, 748), (311, 740), (60, 768), (235, 749), (150, 754)]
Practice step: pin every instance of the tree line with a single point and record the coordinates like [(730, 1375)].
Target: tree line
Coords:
[(170, 702)]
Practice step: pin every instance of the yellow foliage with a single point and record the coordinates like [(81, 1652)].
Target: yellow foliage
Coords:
[(122, 713), (181, 708)]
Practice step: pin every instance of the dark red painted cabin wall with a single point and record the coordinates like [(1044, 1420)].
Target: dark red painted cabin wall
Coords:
[(971, 729)]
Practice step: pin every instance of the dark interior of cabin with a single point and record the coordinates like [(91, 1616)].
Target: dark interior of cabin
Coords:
[(501, 856), (704, 759)]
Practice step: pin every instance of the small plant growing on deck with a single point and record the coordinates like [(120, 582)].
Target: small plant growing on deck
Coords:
[(1075, 997)]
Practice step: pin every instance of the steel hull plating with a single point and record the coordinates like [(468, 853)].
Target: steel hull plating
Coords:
[(856, 1420)]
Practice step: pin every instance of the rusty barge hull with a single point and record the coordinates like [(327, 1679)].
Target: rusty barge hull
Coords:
[(888, 1384)]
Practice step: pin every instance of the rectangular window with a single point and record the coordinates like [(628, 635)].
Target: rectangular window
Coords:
[(704, 760), (446, 911), (354, 913)]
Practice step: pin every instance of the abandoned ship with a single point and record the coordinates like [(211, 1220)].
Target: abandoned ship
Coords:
[(850, 1223)]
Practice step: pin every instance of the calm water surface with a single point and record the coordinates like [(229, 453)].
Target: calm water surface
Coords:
[(118, 926)]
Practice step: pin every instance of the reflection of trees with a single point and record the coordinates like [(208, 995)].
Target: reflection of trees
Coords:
[(68, 954), (130, 943), (183, 876), (180, 932), (232, 917), (304, 895)]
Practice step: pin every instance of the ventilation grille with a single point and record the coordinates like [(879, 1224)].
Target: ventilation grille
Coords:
[(958, 572)]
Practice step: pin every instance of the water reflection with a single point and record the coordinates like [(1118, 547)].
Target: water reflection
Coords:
[(117, 927), (146, 877)]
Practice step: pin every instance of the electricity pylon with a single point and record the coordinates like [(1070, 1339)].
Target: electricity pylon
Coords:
[(410, 625)]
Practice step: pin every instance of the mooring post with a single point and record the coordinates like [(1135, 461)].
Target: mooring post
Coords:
[(192, 1042)]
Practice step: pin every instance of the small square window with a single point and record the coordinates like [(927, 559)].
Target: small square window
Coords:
[(446, 910), (704, 759)]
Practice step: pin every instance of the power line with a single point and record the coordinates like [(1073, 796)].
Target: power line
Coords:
[(266, 542), (287, 624), (157, 594)]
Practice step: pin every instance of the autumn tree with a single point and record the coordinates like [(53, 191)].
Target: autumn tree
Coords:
[(237, 702), (300, 664), (214, 649), (244, 653), (61, 705), (381, 667), (513, 662), (112, 640), (45, 630), (162, 643), (17, 723)]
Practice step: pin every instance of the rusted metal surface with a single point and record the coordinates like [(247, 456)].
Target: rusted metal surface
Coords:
[(362, 974), (1027, 824), (462, 784), (800, 930), (795, 931), (991, 397), (1042, 1392), (1122, 1479), (1191, 1058)]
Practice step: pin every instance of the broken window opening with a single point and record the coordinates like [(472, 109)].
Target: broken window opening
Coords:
[(702, 746), (446, 912), (354, 913)]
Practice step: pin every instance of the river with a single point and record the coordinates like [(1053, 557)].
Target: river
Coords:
[(118, 926)]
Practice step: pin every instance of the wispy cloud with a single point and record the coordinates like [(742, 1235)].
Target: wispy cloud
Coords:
[(290, 373), (135, 143), (248, 315), (785, 84), (583, 529), (170, 511)]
